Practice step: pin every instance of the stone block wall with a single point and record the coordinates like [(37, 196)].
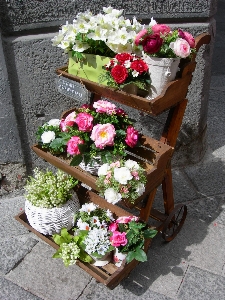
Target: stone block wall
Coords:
[(28, 93)]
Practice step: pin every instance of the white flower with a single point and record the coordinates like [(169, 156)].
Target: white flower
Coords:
[(103, 170), (127, 64), (47, 137), (98, 34), (54, 122), (131, 164), (135, 73), (122, 175), (140, 189), (152, 22), (88, 207), (82, 225), (112, 196), (80, 47)]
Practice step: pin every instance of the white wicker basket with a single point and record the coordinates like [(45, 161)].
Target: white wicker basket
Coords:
[(92, 168), (49, 221)]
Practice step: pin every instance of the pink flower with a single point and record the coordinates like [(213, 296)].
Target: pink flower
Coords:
[(124, 190), (187, 36), (126, 220), (181, 48), (113, 227), (135, 174), (115, 164), (106, 181), (161, 28), (132, 136), (118, 239), (84, 122), (139, 37), (103, 135), (69, 121), (109, 174), (72, 145), (103, 106)]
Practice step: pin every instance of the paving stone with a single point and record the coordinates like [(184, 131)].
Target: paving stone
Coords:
[(99, 292), (207, 209), (208, 177), (11, 291), (9, 207), (48, 278), (13, 251), (162, 273), (202, 285)]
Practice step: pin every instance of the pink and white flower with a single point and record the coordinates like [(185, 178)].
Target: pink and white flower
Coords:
[(103, 106), (181, 48), (84, 121), (69, 121), (103, 135)]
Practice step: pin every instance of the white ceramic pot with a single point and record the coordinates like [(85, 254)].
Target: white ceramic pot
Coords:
[(49, 221), (162, 71), (118, 257), (104, 260)]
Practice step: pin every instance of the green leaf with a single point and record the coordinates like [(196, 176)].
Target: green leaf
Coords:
[(130, 256), (150, 233), (57, 254), (58, 239), (82, 148), (85, 257), (65, 234), (77, 159)]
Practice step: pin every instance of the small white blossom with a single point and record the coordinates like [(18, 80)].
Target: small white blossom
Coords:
[(131, 164), (140, 189), (135, 73), (88, 207)]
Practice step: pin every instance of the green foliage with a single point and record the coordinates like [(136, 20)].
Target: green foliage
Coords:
[(70, 247), (136, 233)]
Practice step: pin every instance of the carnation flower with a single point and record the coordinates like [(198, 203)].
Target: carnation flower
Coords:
[(152, 43), (181, 48), (119, 74), (103, 106), (131, 137), (84, 121)]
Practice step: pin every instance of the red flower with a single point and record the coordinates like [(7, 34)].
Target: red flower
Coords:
[(119, 74), (152, 43), (122, 57), (139, 65)]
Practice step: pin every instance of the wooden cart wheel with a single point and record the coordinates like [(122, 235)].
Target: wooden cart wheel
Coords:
[(174, 222)]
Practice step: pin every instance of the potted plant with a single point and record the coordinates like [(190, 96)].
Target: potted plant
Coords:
[(50, 201), (128, 238), (91, 135), (122, 179), (127, 72), (162, 49), (92, 39), (92, 222), (91, 240)]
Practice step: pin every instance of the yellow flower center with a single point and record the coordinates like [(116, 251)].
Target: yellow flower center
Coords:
[(103, 134)]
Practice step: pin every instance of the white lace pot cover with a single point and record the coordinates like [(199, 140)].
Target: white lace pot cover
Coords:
[(92, 168), (162, 71), (49, 221)]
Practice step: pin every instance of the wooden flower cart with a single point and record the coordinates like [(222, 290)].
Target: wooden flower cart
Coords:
[(154, 155)]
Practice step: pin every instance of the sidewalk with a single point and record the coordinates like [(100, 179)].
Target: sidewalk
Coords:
[(192, 266)]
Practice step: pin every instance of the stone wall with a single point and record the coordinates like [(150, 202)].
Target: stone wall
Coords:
[(28, 94)]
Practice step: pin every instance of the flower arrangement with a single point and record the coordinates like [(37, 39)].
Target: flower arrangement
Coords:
[(48, 190), (105, 34), (121, 179), (101, 130), (92, 236), (160, 41), (124, 69), (128, 236)]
